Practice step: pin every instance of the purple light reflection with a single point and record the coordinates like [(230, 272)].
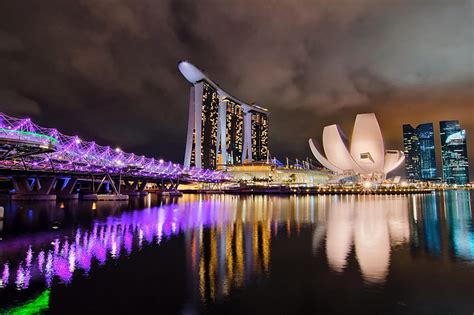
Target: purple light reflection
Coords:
[(59, 257), (5, 275)]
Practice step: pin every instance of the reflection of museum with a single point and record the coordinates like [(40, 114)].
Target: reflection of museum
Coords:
[(238, 245), (229, 239), (370, 227)]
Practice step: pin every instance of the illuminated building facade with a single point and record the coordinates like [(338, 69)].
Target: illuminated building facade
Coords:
[(222, 130), (454, 153), (234, 131), (412, 153), (209, 120), (366, 156), (259, 136), (420, 159)]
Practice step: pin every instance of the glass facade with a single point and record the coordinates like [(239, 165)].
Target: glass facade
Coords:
[(427, 151), (412, 154), (259, 136), (234, 132), (420, 158), (454, 153)]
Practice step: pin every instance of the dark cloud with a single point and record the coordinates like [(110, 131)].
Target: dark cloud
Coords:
[(16, 104), (107, 70)]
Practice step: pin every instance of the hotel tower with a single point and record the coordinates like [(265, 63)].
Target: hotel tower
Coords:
[(222, 129)]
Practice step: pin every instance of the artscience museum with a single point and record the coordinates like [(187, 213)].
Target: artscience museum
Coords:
[(363, 157)]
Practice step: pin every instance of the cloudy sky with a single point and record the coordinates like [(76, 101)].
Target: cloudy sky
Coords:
[(107, 70)]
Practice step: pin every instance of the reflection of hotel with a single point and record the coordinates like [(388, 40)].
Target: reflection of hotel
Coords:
[(221, 128), (226, 256), (229, 240)]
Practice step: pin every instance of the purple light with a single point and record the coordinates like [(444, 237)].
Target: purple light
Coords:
[(107, 240), (41, 261), (5, 274), (79, 156), (49, 269), (61, 268)]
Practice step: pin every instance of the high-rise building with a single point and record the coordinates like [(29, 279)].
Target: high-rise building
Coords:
[(420, 158), (221, 128), (412, 154), (259, 136), (454, 153)]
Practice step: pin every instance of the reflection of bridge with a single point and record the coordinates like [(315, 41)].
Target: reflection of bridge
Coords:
[(43, 163), (227, 246)]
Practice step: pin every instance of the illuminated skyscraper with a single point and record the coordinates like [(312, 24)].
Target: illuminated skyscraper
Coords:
[(234, 131), (221, 128), (259, 135), (454, 153), (412, 152), (420, 159)]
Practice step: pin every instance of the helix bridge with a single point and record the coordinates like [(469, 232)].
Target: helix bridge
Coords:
[(26, 146), (28, 149)]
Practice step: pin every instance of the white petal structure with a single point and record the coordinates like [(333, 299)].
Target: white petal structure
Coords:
[(393, 159), (367, 143), (322, 159), (367, 155), (336, 149)]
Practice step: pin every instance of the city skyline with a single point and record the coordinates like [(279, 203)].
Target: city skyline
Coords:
[(237, 157), (115, 71)]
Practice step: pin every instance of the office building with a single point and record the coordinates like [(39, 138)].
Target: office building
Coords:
[(420, 158), (454, 153)]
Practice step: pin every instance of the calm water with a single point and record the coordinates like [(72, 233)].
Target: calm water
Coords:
[(221, 254)]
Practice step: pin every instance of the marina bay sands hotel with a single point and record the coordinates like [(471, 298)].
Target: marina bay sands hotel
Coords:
[(222, 130)]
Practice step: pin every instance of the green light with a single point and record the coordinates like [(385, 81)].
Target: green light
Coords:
[(39, 135), (38, 305)]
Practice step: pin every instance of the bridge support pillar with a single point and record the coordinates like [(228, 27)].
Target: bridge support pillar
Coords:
[(67, 189), (114, 196), (133, 188), (105, 197), (33, 188), (168, 188)]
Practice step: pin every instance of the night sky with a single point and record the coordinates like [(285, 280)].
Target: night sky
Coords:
[(107, 70)]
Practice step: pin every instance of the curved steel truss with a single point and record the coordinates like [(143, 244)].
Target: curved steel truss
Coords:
[(25, 146)]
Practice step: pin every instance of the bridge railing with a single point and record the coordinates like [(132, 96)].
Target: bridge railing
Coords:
[(72, 154), (27, 136)]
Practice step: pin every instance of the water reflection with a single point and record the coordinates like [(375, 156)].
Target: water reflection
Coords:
[(370, 225), (460, 224), (228, 240), (431, 225), (229, 253)]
